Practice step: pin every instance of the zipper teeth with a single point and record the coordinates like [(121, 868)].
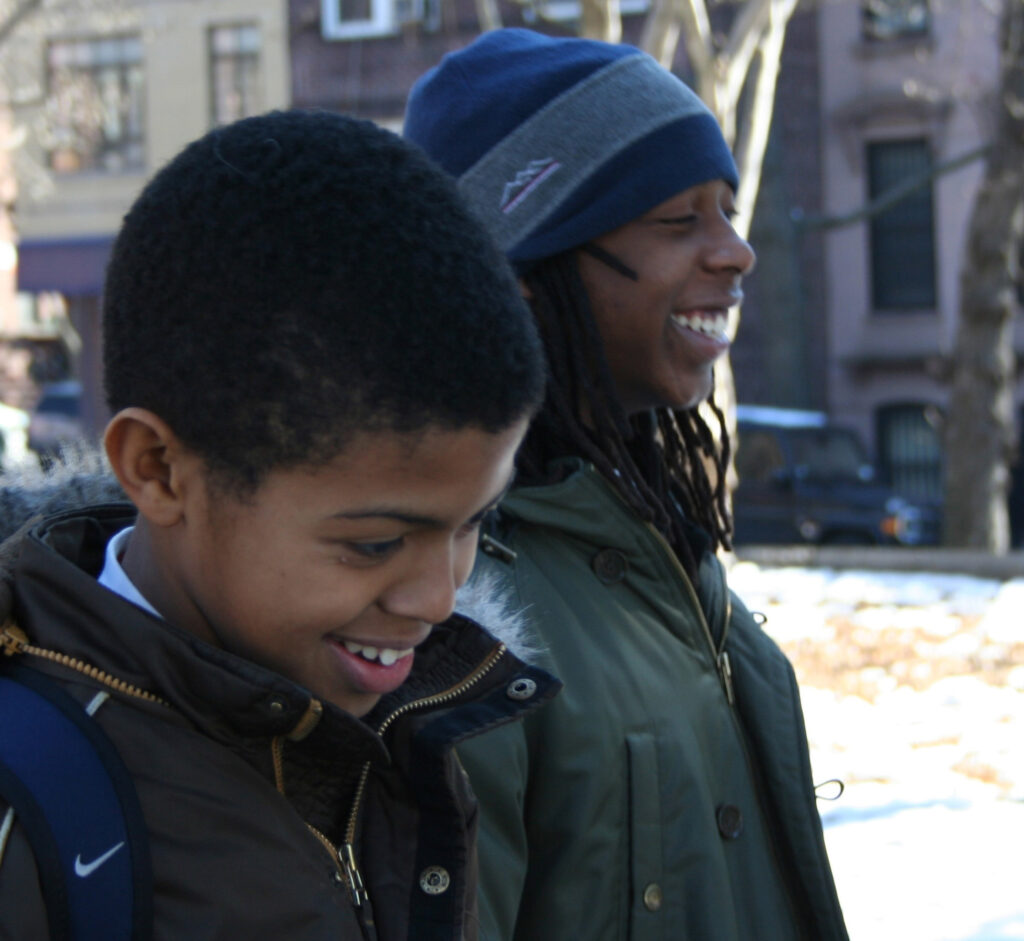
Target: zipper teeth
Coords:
[(719, 656), (691, 591), (277, 756), (330, 847), (14, 644), (481, 671)]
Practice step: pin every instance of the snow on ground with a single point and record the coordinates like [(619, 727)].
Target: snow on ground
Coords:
[(913, 690)]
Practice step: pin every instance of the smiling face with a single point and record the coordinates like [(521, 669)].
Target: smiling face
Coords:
[(663, 332), (332, 575)]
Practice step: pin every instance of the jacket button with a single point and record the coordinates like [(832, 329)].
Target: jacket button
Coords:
[(435, 880), (730, 821), (277, 705), (652, 897), (609, 566), (521, 688)]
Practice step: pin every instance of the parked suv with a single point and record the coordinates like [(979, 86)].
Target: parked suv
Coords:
[(803, 479)]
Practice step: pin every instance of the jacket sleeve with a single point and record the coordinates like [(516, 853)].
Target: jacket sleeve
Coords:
[(22, 911), (496, 763)]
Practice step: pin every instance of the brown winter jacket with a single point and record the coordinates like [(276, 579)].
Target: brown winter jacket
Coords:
[(244, 788)]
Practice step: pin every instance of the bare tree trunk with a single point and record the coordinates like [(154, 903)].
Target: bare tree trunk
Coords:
[(980, 436), (660, 35), (750, 146), (488, 15), (601, 19)]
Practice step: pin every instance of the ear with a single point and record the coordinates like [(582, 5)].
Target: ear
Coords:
[(524, 289), (150, 462)]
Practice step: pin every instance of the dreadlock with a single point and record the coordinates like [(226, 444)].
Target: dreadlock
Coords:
[(658, 462)]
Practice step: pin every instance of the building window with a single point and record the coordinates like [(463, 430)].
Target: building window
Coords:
[(95, 104), (562, 11), (903, 236), (910, 449), (894, 19), (235, 80), (355, 19)]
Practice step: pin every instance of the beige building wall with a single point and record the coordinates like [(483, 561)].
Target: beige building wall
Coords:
[(936, 86), (65, 221), (177, 95)]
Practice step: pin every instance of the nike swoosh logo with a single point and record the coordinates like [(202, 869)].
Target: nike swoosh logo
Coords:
[(87, 869)]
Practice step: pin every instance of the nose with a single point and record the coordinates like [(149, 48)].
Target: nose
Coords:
[(426, 589), (728, 250)]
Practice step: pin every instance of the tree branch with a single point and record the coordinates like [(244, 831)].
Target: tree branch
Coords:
[(741, 47), (15, 17), (750, 149), (893, 195), (696, 30)]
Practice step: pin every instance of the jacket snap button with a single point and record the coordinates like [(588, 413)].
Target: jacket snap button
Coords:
[(609, 566), (652, 897), (730, 821), (522, 688), (434, 880), (277, 706)]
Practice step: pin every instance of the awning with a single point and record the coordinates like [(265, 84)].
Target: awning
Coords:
[(71, 266)]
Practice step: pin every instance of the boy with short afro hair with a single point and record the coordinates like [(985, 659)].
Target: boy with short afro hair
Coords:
[(320, 372)]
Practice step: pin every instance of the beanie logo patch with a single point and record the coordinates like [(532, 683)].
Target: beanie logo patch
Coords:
[(526, 181)]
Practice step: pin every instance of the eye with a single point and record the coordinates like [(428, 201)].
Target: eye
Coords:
[(374, 551), (468, 529), (473, 525), (679, 222)]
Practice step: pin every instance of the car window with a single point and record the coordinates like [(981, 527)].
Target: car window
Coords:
[(759, 456), (828, 454)]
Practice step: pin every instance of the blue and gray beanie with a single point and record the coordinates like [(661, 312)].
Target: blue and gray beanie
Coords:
[(557, 141)]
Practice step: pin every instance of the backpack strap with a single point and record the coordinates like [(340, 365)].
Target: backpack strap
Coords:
[(76, 802)]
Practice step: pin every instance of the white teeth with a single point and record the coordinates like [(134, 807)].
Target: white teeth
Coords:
[(386, 655), (712, 325)]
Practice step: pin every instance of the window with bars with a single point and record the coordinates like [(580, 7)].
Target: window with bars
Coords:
[(902, 238), (95, 104), (910, 449), (236, 86), (882, 20)]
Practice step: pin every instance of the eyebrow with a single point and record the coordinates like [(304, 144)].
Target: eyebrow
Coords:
[(426, 522)]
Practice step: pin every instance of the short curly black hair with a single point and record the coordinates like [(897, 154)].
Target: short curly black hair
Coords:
[(298, 277)]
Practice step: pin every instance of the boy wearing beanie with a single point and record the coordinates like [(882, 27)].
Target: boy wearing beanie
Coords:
[(263, 640), (667, 792)]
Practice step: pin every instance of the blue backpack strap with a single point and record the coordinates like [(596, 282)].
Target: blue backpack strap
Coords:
[(76, 803)]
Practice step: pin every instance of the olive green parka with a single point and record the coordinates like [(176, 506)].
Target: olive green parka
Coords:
[(666, 794)]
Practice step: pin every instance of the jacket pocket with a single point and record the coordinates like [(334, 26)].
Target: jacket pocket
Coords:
[(646, 883)]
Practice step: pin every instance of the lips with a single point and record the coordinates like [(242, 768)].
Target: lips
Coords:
[(373, 675)]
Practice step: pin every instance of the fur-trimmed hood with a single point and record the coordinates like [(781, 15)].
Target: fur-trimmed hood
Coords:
[(82, 477)]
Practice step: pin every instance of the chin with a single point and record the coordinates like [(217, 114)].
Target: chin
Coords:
[(683, 402)]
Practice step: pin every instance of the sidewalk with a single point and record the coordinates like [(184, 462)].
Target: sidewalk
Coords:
[(889, 559)]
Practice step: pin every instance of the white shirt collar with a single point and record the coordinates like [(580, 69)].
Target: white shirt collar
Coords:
[(113, 577)]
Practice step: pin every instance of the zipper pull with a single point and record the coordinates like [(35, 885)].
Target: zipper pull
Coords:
[(13, 639), (347, 856), (725, 672)]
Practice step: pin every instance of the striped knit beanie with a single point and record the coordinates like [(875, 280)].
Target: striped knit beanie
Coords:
[(556, 141)]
